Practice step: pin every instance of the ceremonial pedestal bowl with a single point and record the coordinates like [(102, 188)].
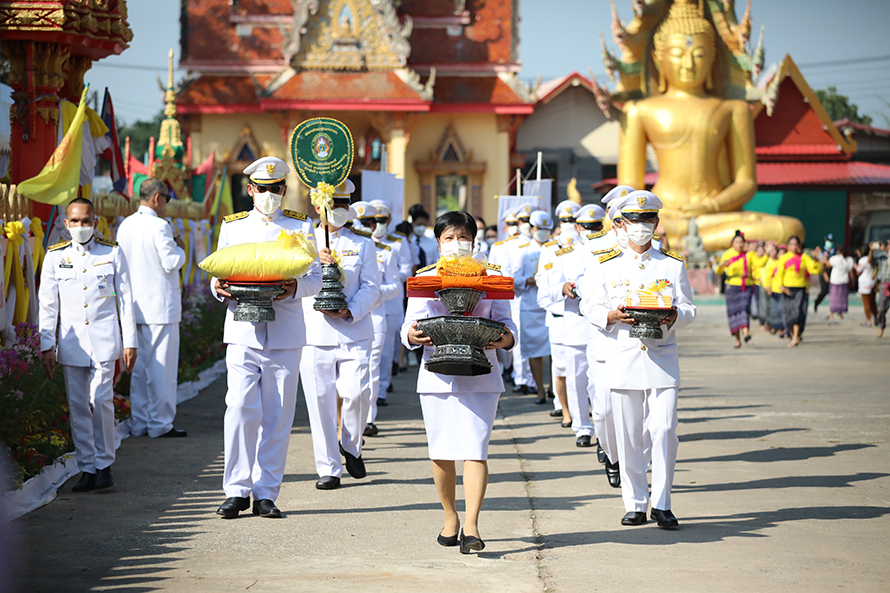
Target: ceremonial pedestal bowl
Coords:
[(648, 322), (331, 297), (255, 300)]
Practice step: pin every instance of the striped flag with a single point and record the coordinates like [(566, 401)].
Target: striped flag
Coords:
[(113, 153)]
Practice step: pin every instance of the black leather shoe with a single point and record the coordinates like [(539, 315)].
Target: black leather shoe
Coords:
[(266, 508), (613, 473), (354, 465), (395, 369), (566, 424), (556, 414), (634, 518), (104, 479), (521, 389), (328, 483), (174, 433), (371, 430), (665, 519), (232, 506), (389, 389), (583, 441), (448, 542), (600, 454), (541, 402), (381, 402), (472, 543), (86, 483)]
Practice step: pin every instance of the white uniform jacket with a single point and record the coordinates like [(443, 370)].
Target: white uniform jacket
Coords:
[(358, 257), (288, 331), (635, 363), (401, 259), (524, 265), (390, 282), (154, 260), (87, 284), (428, 382), (568, 265)]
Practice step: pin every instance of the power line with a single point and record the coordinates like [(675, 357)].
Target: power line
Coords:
[(133, 67), (843, 62)]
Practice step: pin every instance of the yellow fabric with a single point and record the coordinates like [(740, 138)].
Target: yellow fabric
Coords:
[(222, 207), (37, 230), (322, 197), (768, 275), (736, 271), (57, 183), (97, 126), (789, 277), (16, 234), (102, 227), (270, 261), (759, 262)]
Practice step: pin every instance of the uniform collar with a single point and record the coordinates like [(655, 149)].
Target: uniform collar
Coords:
[(88, 246), (146, 210), (266, 217)]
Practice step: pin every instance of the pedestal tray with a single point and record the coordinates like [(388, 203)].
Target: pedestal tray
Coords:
[(648, 322), (255, 300)]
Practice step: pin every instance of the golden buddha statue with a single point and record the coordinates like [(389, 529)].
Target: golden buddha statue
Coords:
[(698, 122)]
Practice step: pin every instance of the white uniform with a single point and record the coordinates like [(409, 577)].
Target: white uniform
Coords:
[(498, 256), (335, 361), (155, 261), (262, 361), (641, 372), (458, 412), (395, 311), (85, 292), (535, 336), (390, 290), (554, 312)]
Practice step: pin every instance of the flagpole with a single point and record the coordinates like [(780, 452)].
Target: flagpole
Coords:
[(49, 225)]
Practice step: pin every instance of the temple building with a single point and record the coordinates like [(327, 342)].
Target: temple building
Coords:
[(432, 84)]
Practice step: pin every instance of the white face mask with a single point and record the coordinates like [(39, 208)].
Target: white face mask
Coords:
[(81, 234), (621, 236), (456, 248), (338, 217), (491, 241), (525, 229), (379, 231), (541, 235), (267, 202), (640, 233), (419, 230), (568, 232), (513, 230)]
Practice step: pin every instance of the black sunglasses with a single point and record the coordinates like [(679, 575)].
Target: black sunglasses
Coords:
[(381, 219), (591, 226), (276, 188), (640, 216), (167, 196)]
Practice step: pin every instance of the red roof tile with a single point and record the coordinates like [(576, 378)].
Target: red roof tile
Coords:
[(798, 149), (793, 123), (489, 39), (212, 37), (218, 90), (429, 7), (317, 85), (474, 89)]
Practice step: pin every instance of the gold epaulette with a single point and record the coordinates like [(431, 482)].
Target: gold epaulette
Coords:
[(564, 250), (601, 251), (59, 245), (524, 246), (611, 255), (391, 238), (426, 269), (596, 235), (102, 241), (236, 216), (494, 267), (383, 246), (401, 233), (656, 237), (548, 266), (551, 243), (505, 240), (294, 214), (672, 254), (362, 233)]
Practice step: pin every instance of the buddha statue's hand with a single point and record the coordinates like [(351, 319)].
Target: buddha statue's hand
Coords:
[(707, 207)]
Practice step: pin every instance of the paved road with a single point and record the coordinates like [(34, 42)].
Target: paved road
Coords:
[(782, 485)]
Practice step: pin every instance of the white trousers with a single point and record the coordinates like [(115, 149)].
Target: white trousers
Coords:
[(576, 389), (154, 379), (91, 429), (631, 425), (260, 406), (601, 408), (326, 372), (557, 369), (390, 347), (375, 369)]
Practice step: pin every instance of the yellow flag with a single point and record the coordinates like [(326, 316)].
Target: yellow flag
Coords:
[(57, 183), (222, 205)]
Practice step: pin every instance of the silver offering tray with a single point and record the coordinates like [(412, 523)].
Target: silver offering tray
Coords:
[(255, 300), (331, 297), (648, 322)]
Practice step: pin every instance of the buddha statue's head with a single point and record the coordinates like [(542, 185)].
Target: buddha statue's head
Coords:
[(685, 49)]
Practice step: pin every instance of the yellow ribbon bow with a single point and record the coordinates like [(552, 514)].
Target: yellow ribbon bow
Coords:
[(15, 233), (39, 253), (102, 227), (322, 197)]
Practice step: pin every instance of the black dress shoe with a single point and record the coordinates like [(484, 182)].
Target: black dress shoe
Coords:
[(174, 433), (371, 430), (232, 506), (395, 369), (613, 473), (600, 454), (86, 483), (388, 390), (583, 441), (556, 414), (521, 389), (634, 518), (665, 519), (381, 401), (104, 479), (472, 543), (541, 401), (328, 483), (448, 542), (266, 508), (354, 465), (566, 424)]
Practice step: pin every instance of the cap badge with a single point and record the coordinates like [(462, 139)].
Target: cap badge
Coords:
[(623, 193), (270, 169), (641, 201)]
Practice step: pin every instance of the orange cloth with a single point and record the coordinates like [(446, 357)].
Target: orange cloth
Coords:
[(483, 283)]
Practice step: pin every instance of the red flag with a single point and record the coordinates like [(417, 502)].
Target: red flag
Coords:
[(205, 168), (113, 152)]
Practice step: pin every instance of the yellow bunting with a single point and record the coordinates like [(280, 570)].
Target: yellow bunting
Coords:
[(322, 197)]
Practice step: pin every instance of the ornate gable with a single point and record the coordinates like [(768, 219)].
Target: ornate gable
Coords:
[(349, 35)]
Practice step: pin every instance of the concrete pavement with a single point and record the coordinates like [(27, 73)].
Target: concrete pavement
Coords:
[(781, 485)]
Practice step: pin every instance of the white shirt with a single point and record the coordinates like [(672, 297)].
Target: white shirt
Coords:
[(154, 260), (866, 273), (840, 269), (85, 290)]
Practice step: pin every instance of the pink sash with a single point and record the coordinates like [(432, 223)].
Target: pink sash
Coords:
[(744, 266), (796, 262)]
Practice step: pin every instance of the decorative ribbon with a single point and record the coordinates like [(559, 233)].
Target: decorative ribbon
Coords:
[(322, 197), (339, 261), (741, 256), (37, 230), (15, 233), (796, 261)]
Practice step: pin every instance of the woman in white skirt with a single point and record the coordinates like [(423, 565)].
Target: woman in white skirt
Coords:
[(458, 411)]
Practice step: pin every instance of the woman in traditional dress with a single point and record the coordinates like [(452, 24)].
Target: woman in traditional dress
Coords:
[(841, 266), (458, 411), (793, 275), (867, 272), (738, 265)]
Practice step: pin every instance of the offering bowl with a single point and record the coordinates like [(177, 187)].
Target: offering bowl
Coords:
[(460, 301), (255, 300), (648, 322), (460, 343), (331, 297)]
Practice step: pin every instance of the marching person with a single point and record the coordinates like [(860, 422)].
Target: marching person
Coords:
[(422, 235), (739, 267), (497, 256), (85, 292), (458, 411), (335, 361), (155, 257), (523, 378), (793, 276), (642, 374), (262, 358)]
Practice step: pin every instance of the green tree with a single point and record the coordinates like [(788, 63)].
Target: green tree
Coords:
[(839, 107), (139, 133)]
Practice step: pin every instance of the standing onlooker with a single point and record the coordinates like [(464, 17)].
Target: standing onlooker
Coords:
[(867, 272), (839, 278), (155, 257), (882, 261)]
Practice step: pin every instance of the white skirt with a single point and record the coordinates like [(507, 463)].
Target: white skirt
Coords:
[(534, 335), (458, 425)]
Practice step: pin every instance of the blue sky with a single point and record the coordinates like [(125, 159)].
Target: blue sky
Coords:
[(561, 36)]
